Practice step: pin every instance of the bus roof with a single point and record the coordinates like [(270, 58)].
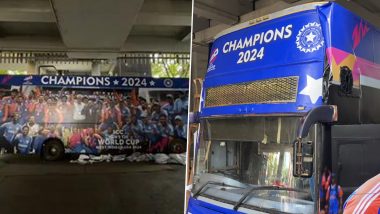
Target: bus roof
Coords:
[(265, 18)]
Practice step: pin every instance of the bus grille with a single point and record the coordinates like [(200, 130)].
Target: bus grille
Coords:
[(276, 90)]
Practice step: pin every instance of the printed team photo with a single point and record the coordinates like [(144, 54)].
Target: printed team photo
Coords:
[(91, 117), (189, 106)]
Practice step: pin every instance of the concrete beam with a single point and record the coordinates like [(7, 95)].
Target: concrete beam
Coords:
[(167, 6), (26, 11), (133, 43), (159, 18), (101, 24), (209, 12), (92, 55), (27, 43), (155, 44), (207, 35), (187, 37), (274, 7)]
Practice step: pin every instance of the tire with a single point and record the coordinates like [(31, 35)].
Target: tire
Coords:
[(177, 146), (53, 150)]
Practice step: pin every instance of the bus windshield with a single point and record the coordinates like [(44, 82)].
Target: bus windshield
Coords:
[(251, 153)]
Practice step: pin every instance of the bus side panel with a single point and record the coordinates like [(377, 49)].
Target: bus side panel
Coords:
[(93, 114), (353, 45), (200, 207), (355, 156)]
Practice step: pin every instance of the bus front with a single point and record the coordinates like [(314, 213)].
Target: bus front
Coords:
[(264, 76)]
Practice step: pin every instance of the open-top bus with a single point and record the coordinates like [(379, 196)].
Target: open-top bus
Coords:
[(51, 115), (289, 100)]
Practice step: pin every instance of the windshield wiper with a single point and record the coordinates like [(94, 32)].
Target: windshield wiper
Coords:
[(253, 189), (198, 192)]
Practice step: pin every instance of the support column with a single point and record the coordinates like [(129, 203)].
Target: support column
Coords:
[(95, 69), (31, 68)]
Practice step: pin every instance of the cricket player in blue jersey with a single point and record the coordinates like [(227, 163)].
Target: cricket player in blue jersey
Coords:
[(180, 130), (168, 107), (10, 130), (24, 141), (149, 130), (334, 196), (181, 106)]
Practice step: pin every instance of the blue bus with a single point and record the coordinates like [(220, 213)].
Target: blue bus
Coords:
[(53, 115), (289, 117)]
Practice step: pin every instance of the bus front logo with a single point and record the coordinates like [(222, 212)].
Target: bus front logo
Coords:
[(310, 38), (214, 54)]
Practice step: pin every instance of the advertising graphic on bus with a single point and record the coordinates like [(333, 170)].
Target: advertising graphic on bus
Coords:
[(50, 115), (288, 113)]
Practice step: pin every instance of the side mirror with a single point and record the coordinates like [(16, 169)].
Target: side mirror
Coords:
[(303, 152), (321, 114), (303, 155)]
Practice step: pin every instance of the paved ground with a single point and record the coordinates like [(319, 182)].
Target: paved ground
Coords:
[(29, 185)]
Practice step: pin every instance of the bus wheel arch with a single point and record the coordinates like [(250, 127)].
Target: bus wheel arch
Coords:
[(52, 149)]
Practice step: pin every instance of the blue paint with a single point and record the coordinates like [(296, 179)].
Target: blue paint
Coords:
[(201, 207), (282, 57), (95, 81)]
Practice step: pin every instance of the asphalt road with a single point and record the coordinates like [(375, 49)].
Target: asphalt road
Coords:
[(29, 185)]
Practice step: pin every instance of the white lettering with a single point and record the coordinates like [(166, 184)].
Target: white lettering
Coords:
[(79, 81), (278, 33), (225, 49), (61, 81), (288, 30), (268, 39), (239, 45), (232, 46), (107, 81), (247, 42), (44, 80), (53, 80), (259, 38), (99, 81), (91, 81), (70, 81)]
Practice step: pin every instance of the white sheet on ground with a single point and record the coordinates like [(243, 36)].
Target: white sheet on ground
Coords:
[(159, 158)]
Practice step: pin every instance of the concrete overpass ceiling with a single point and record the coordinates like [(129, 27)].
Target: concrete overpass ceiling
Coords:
[(368, 9), (87, 27), (159, 31), (167, 6), (29, 29), (222, 11), (88, 24)]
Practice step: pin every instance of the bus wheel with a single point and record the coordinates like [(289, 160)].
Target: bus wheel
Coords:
[(177, 146), (53, 150)]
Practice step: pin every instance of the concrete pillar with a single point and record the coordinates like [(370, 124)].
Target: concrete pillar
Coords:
[(199, 59), (95, 69), (31, 68)]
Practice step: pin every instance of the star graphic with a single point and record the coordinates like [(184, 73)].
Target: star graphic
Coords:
[(313, 89), (310, 37), (116, 82), (152, 83)]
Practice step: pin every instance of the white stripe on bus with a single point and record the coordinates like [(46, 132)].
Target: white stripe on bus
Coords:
[(370, 201), (365, 199)]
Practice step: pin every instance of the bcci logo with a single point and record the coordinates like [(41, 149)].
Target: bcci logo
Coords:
[(212, 60), (168, 83), (310, 38)]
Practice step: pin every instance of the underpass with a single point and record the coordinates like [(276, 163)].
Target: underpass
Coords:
[(29, 185)]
